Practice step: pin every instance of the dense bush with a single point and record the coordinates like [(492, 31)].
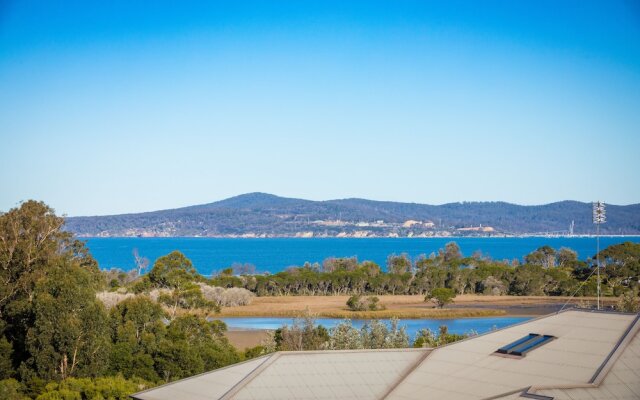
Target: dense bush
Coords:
[(304, 334), (373, 335), (112, 299), (62, 336), (426, 337), (371, 303), (227, 297), (355, 303), (629, 302), (113, 388)]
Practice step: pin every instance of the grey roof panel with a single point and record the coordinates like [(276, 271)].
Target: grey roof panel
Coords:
[(210, 385)]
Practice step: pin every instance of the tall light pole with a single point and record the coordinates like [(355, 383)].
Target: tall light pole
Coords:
[(599, 217)]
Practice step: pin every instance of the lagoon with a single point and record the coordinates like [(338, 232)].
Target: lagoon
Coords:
[(412, 326)]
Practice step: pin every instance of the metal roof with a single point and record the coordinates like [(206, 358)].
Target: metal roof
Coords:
[(210, 385), (592, 351)]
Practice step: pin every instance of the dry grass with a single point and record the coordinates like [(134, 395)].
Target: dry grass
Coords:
[(524, 300), (444, 313), (243, 340), (398, 306), (335, 307)]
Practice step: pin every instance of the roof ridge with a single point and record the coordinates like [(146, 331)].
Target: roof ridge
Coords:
[(509, 393), (617, 350), (408, 371), (388, 350), (250, 376)]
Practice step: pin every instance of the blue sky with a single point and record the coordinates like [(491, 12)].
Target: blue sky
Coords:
[(111, 107)]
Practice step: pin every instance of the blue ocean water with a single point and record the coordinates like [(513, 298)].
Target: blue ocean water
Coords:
[(210, 255), (412, 326)]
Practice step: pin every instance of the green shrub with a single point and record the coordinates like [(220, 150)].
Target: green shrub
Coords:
[(441, 296), (373, 304), (628, 303), (355, 303), (10, 389)]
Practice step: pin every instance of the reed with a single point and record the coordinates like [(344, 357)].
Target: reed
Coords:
[(444, 313)]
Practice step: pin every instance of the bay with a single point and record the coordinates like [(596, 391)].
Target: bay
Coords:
[(210, 255)]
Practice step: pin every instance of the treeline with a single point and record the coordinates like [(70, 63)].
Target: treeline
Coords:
[(58, 341), (546, 271)]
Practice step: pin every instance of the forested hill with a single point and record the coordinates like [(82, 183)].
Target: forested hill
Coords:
[(265, 215)]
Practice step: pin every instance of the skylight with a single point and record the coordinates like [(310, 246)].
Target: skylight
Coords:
[(524, 345)]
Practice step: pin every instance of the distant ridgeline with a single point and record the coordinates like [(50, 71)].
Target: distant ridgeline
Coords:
[(265, 215)]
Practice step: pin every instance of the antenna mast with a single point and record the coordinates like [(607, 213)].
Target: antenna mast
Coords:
[(599, 217), (571, 228)]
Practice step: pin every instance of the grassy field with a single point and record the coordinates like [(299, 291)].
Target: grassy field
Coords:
[(400, 306)]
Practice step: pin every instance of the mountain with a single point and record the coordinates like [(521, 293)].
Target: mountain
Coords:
[(267, 215)]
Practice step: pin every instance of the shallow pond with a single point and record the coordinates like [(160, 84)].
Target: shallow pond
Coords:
[(458, 325)]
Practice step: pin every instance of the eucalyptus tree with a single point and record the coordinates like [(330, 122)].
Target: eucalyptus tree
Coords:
[(40, 264), (70, 331), (176, 273)]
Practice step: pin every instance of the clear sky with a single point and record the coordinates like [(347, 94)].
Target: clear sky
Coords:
[(116, 106)]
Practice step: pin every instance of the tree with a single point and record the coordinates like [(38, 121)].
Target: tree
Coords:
[(441, 296), (113, 388), (193, 345), (137, 329), (303, 334), (426, 337), (10, 389), (452, 252), (69, 336), (176, 273), (493, 286), (6, 367), (370, 268), (398, 264), (528, 280), (142, 263), (33, 247), (621, 264), (333, 264), (544, 256), (243, 269), (30, 237), (567, 257), (345, 337), (173, 271), (373, 335)]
